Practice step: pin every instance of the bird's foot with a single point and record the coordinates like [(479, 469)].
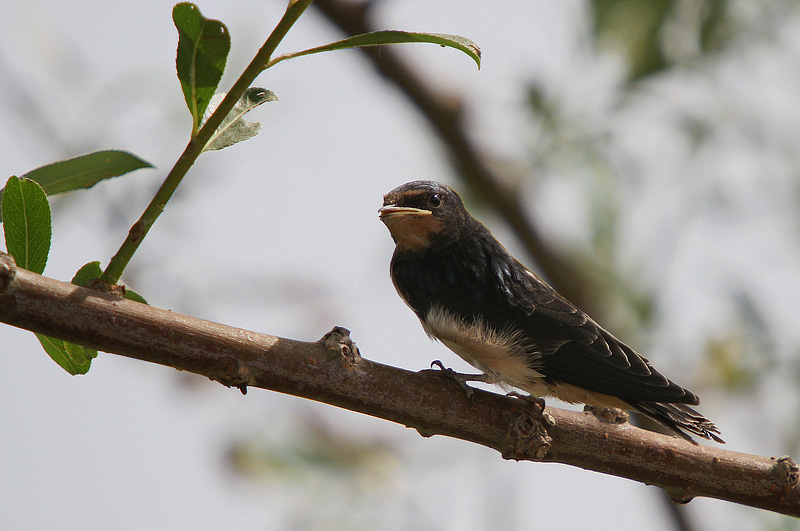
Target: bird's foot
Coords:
[(460, 378), (609, 415), (535, 407)]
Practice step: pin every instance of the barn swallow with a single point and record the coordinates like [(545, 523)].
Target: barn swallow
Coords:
[(471, 294)]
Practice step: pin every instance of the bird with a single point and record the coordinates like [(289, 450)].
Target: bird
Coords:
[(473, 296)]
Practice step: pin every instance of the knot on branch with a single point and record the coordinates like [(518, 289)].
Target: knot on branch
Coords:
[(8, 270), (786, 472), (527, 435), (237, 374), (680, 495), (104, 287), (338, 341)]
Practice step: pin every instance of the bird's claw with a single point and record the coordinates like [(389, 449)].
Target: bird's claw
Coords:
[(536, 407), (609, 415), (460, 378), (438, 363)]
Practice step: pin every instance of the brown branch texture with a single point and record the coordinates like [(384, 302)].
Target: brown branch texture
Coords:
[(332, 371)]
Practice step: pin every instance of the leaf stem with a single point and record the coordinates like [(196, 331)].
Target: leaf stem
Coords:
[(194, 148)]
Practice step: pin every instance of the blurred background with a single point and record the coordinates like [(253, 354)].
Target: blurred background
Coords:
[(640, 154)]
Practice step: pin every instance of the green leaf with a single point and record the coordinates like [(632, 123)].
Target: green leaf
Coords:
[(134, 296), (203, 46), (92, 271), (234, 128), (87, 273), (73, 358), (379, 38), (28, 232), (27, 225), (84, 171)]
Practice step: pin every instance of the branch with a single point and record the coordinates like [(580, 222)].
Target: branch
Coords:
[(332, 371)]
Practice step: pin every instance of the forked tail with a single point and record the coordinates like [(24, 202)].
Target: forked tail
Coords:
[(679, 418)]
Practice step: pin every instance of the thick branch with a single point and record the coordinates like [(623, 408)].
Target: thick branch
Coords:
[(331, 371)]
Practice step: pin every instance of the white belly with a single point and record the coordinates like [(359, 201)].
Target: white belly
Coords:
[(504, 358), (501, 355)]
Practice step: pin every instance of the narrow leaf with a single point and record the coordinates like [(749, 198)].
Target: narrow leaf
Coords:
[(203, 46), (379, 38), (134, 296), (73, 358), (27, 225), (84, 171), (234, 128)]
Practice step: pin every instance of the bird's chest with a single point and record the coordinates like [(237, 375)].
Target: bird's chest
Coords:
[(454, 281)]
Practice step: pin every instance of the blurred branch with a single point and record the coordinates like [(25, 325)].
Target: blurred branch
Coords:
[(332, 371), (446, 116)]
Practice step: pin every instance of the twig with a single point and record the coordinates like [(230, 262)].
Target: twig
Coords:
[(194, 148), (332, 371)]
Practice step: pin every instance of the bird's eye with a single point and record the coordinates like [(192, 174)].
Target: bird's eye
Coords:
[(435, 201)]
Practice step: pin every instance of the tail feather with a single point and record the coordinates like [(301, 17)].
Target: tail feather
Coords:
[(679, 418)]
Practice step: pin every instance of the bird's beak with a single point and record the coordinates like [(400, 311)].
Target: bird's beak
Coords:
[(387, 211)]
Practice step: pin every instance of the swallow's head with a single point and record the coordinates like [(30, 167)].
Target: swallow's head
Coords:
[(421, 213)]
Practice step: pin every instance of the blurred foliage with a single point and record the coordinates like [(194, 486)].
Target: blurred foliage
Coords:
[(314, 447), (569, 147), (635, 26), (652, 36), (649, 32), (728, 362), (320, 475)]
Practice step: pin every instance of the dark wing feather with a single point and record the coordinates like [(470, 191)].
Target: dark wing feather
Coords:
[(607, 366), (680, 418), (576, 350)]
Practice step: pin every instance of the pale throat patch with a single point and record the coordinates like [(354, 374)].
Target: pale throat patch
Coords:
[(412, 232)]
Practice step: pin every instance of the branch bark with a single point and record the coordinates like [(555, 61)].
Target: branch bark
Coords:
[(332, 371)]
